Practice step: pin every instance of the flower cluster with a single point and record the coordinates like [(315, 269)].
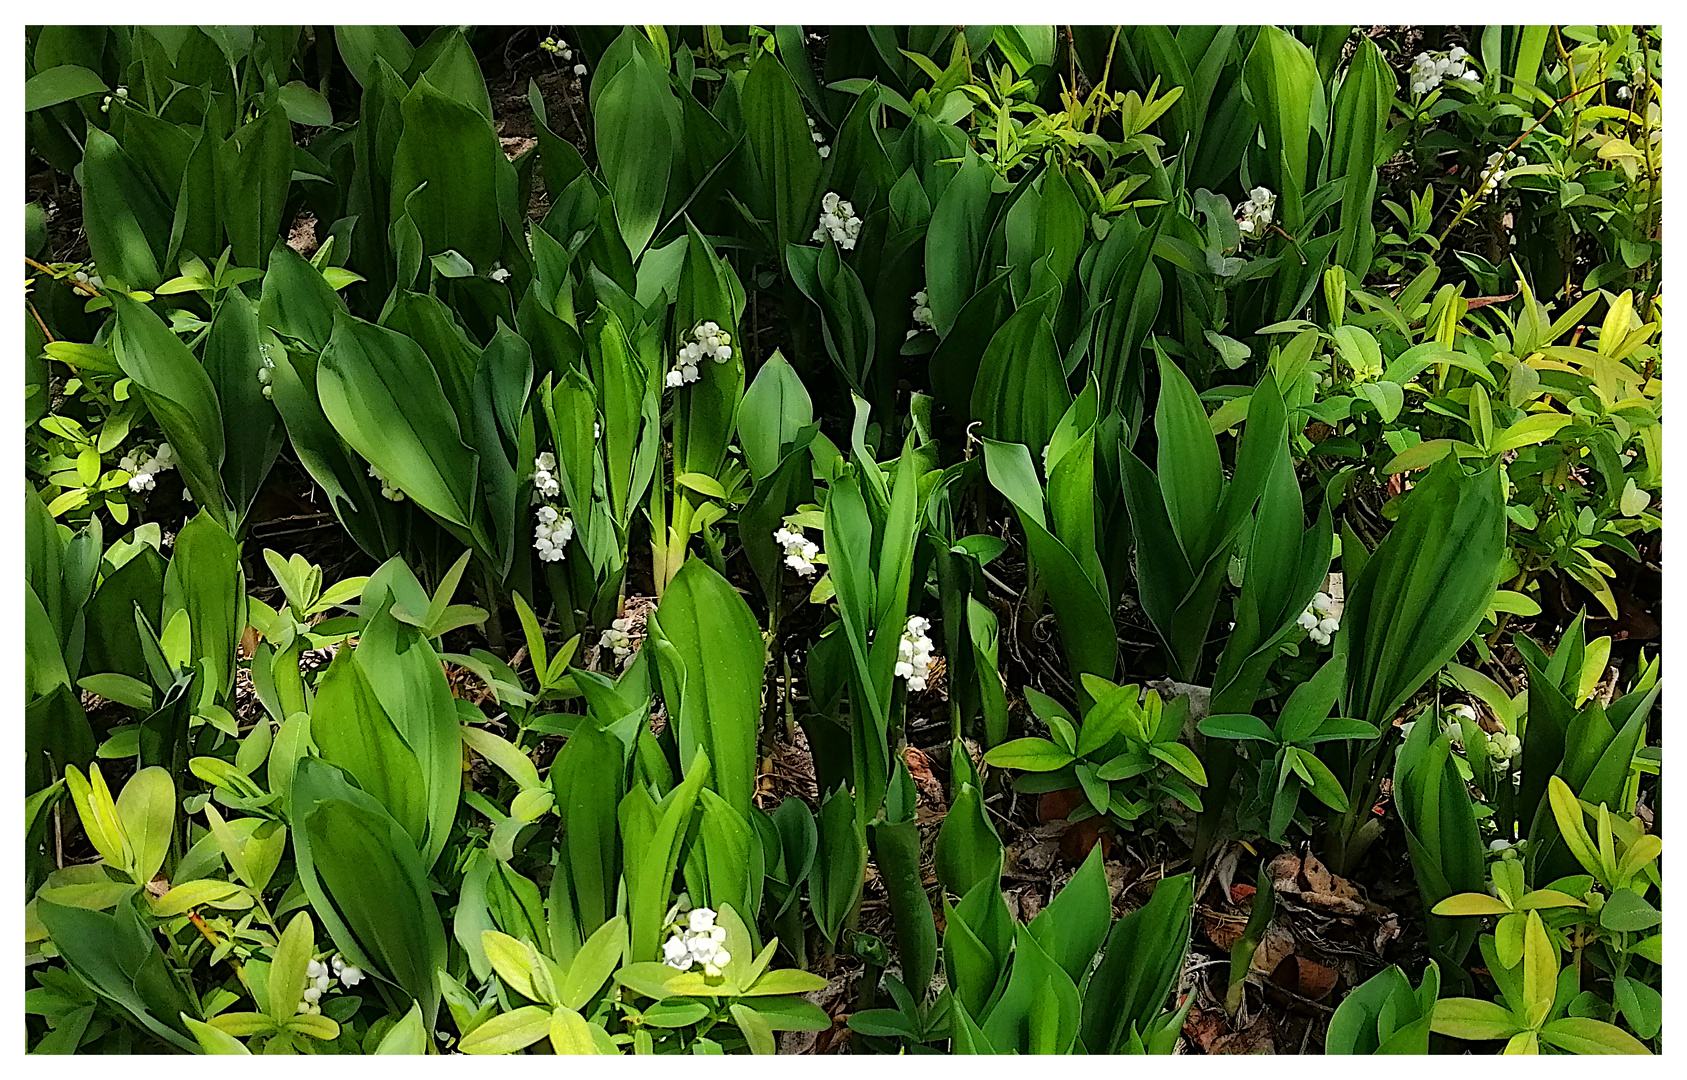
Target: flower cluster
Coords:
[(914, 656), (563, 51), (1451, 725), (618, 639), (552, 533), (922, 314), (387, 490), (499, 274), (320, 977), (87, 278), (145, 470), (1319, 619), (697, 940), (266, 371), (1430, 70), (799, 550), (121, 94), (838, 220), (545, 483), (1256, 213), (1493, 173), (1503, 746), (708, 342), (820, 139)]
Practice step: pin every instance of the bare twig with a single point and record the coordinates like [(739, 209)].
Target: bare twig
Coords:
[(82, 285)]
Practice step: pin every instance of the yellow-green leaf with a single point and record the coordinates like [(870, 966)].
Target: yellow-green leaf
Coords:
[(99, 816), (1471, 904), (315, 1026), (202, 893), (287, 969), (1474, 1019), (509, 959), (509, 1032), (1540, 970), (147, 810), (214, 1040), (570, 1032), (243, 1023)]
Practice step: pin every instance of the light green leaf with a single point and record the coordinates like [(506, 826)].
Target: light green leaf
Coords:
[(1473, 1019), (508, 1032), (1028, 754)]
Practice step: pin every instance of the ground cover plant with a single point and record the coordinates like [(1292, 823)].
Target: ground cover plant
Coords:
[(705, 540)]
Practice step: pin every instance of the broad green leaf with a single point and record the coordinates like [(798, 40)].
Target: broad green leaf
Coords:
[(1357, 127), (408, 1036), (1038, 1010), (1020, 393), (1182, 759), (181, 397), (352, 730), (1074, 924), (98, 813), (896, 852), (955, 241), (383, 398), (189, 895), (968, 849), (757, 1032), (1237, 726), (788, 165), (1139, 963), (1282, 80), (127, 220), (712, 675), (1424, 590), (511, 960), (775, 407), (1079, 606), (785, 981), (366, 881), (253, 178), (449, 151), (57, 85), (634, 145), (835, 881)]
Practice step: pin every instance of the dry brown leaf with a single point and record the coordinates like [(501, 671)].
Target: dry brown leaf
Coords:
[(1278, 942), (1256, 1038), (1304, 977)]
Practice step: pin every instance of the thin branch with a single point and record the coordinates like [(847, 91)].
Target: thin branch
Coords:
[(82, 285), (39, 321), (1464, 211)]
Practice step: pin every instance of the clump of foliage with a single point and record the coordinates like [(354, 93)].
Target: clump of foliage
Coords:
[(1223, 427)]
